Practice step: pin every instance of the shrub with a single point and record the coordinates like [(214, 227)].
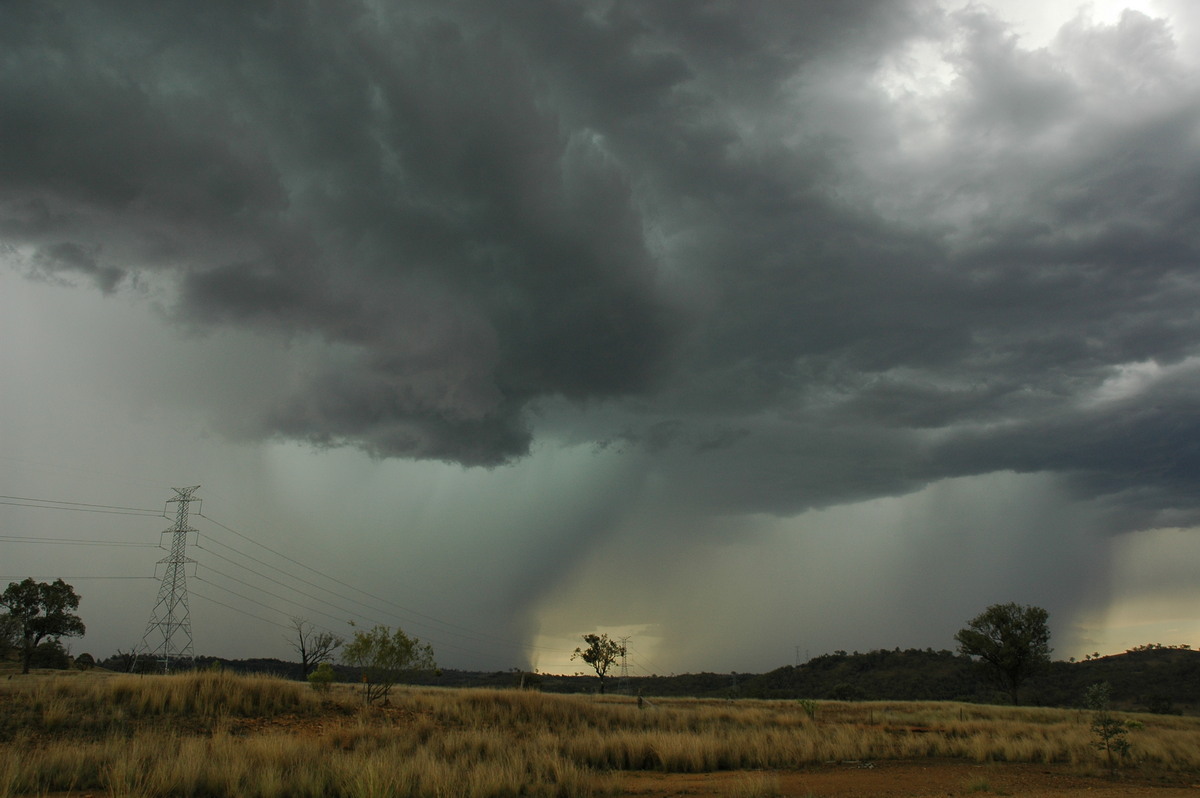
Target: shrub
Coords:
[(321, 678), (1109, 730), (384, 656)]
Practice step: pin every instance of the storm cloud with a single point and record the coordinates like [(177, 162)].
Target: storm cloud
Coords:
[(781, 256)]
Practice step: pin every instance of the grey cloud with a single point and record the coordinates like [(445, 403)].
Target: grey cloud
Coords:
[(69, 257), (703, 224), (317, 172)]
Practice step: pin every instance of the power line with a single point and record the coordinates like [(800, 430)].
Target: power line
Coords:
[(644, 669), (273, 595), (84, 504), (77, 541), (285, 573), (334, 579), (56, 576), (463, 631), (275, 581), (441, 643), (236, 609), (404, 614), (326, 602), (85, 509)]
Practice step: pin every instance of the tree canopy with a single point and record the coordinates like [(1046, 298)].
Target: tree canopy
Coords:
[(601, 652), (1012, 640), (40, 611), (384, 655)]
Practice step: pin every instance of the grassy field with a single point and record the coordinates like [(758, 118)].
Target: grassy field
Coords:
[(219, 734)]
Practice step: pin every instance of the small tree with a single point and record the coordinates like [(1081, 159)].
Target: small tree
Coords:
[(121, 662), (1109, 730), (322, 678), (384, 656), (41, 611), (601, 653), (1012, 640), (313, 646)]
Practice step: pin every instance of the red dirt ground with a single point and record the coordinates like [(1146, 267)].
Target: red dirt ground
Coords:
[(923, 779)]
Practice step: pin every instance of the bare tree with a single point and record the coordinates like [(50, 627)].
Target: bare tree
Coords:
[(314, 646)]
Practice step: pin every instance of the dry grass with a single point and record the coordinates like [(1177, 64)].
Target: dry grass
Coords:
[(218, 734)]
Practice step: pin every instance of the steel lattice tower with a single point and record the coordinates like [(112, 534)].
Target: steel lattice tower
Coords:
[(623, 682), (170, 624)]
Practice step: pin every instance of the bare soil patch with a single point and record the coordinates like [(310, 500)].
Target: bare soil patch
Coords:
[(923, 779)]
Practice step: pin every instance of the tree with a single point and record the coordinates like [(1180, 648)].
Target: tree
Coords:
[(322, 678), (601, 652), (1109, 730), (384, 656), (313, 646), (41, 611), (10, 634), (51, 655), (1012, 640), (121, 662)]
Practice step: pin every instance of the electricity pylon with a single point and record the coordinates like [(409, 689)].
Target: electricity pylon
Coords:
[(623, 682), (171, 621)]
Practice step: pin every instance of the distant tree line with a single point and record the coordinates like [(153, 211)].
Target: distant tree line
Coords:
[(1003, 656)]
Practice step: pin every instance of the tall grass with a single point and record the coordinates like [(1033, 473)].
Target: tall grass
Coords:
[(219, 734), (114, 703)]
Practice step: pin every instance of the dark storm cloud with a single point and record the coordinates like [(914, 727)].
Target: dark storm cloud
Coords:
[(707, 226), (381, 179)]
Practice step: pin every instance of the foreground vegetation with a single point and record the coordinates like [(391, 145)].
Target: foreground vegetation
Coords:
[(221, 734)]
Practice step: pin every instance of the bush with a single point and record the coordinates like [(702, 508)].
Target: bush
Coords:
[(383, 656), (1109, 730), (50, 654), (844, 691), (321, 678)]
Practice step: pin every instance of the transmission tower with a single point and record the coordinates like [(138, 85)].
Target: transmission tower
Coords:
[(623, 682), (168, 636)]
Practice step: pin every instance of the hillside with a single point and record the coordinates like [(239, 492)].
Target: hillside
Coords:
[(1161, 680), (1154, 679)]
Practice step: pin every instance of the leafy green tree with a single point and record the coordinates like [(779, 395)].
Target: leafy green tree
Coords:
[(383, 657), (41, 611), (1013, 642), (601, 653), (1109, 730)]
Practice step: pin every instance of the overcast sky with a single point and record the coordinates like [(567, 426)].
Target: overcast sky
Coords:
[(752, 330)]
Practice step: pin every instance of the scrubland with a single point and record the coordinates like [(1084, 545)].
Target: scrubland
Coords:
[(220, 734)]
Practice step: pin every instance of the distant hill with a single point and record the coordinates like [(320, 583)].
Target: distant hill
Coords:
[(1153, 679), (909, 675)]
